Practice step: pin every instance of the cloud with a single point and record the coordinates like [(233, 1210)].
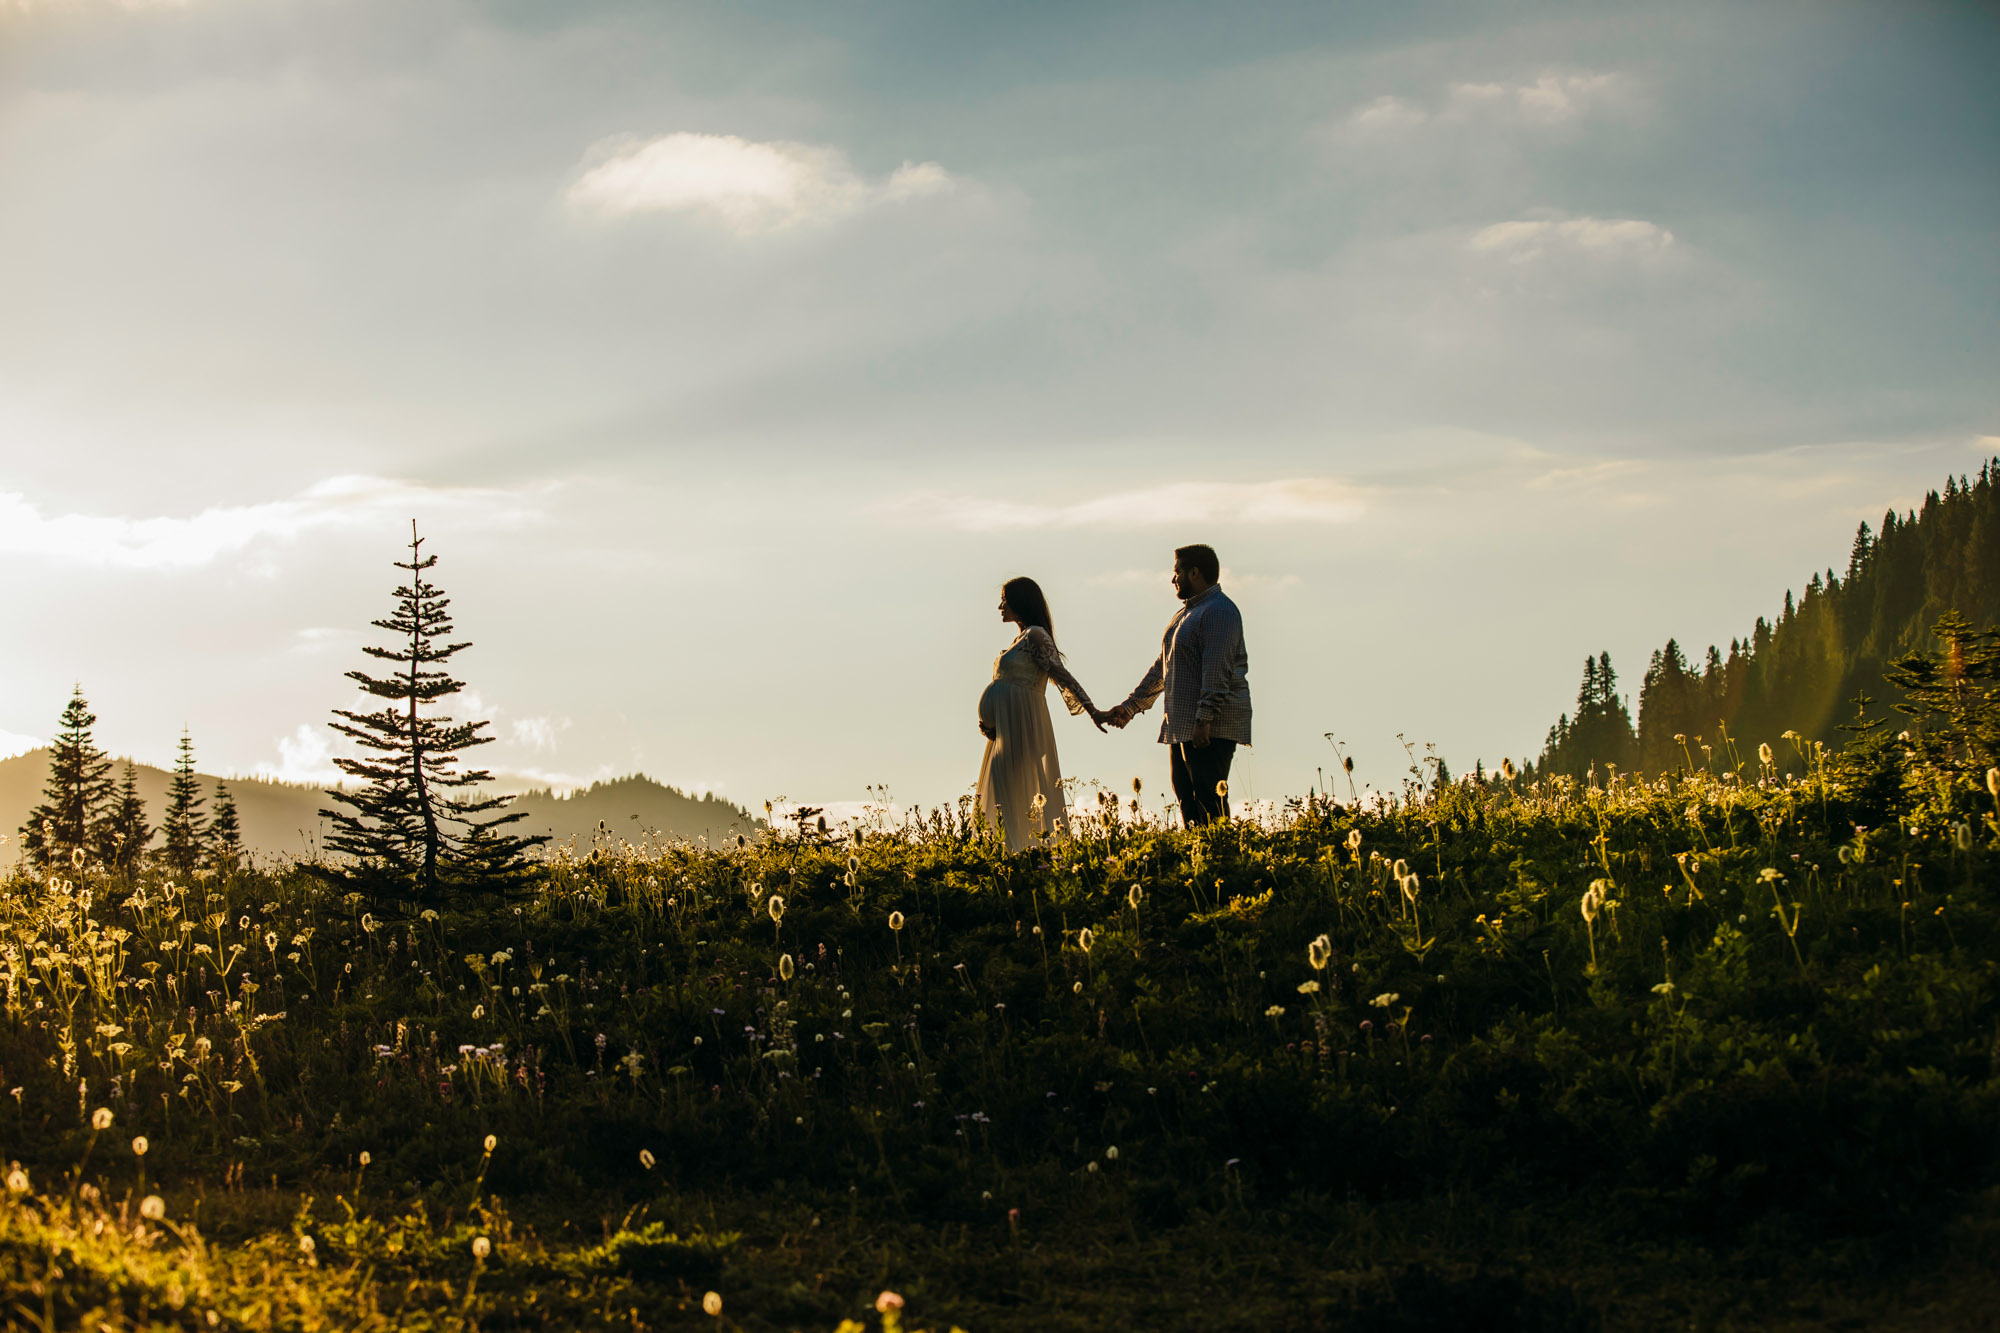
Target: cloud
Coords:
[(316, 639), (131, 6), (1531, 239), (538, 733), (1552, 99), (747, 186), (304, 756), (13, 743), (184, 543), (1388, 113), (1296, 500)]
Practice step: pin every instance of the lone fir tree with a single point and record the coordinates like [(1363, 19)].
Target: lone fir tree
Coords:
[(77, 798), (410, 831), (184, 827), (225, 833), (126, 830)]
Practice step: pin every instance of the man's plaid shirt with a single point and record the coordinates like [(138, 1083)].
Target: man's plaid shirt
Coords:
[(1203, 669)]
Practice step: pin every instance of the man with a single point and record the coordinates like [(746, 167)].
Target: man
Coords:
[(1203, 670)]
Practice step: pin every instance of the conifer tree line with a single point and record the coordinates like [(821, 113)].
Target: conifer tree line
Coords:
[(1838, 640), (87, 818)]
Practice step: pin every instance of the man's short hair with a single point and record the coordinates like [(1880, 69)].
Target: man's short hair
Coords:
[(1201, 559)]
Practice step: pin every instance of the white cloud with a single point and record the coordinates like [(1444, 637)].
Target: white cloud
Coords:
[(315, 639), (1296, 500), (538, 733), (1529, 239), (304, 756), (747, 186), (1551, 98), (13, 743), (1388, 113), (183, 543), (133, 6)]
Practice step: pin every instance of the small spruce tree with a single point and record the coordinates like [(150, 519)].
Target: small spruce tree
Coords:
[(225, 833), (411, 836), (127, 831), (184, 827), (76, 800)]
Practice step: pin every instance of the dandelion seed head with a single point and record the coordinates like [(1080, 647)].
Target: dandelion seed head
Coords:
[(1320, 953), (492, 1142), (888, 1301), (139, 1146), (481, 1247), (895, 920), (152, 1208), (646, 1158), (711, 1303), (100, 1119)]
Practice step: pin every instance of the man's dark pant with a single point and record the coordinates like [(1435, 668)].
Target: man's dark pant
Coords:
[(1198, 769)]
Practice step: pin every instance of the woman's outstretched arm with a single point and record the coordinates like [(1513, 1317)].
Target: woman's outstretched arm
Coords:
[(1043, 649)]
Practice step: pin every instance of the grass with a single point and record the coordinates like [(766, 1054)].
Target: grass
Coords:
[(1348, 1069)]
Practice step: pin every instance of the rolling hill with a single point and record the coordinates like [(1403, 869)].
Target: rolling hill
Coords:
[(282, 819)]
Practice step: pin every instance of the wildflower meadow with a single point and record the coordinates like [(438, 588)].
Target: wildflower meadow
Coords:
[(1714, 1048)]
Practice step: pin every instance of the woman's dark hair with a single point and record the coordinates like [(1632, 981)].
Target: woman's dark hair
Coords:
[(1025, 600)]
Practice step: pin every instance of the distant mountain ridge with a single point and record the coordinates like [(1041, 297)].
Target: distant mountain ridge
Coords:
[(282, 818), (629, 807)]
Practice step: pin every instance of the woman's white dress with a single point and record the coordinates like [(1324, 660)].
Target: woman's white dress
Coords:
[(1020, 762)]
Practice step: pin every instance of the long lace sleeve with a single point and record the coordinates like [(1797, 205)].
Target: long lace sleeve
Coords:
[(1042, 649)]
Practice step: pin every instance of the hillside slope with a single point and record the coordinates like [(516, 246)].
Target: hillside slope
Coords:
[(279, 818), (282, 818)]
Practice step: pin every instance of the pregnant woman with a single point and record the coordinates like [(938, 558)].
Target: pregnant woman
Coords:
[(1020, 779)]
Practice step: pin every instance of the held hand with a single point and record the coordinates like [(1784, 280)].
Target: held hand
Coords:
[(1120, 715), (1097, 716)]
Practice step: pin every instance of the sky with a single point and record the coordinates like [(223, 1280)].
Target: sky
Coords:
[(730, 355)]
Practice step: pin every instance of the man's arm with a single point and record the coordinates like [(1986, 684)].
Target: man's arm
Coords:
[(1142, 696)]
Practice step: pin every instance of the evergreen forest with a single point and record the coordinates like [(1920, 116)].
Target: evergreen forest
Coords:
[(1806, 670)]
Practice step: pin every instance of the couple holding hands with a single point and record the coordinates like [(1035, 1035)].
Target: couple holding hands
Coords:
[(1202, 669)]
